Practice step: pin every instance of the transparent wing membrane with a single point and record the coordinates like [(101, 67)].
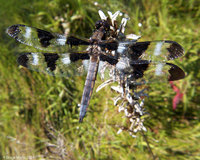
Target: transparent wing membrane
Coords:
[(147, 59), (156, 71), (44, 40), (156, 50), (54, 64)]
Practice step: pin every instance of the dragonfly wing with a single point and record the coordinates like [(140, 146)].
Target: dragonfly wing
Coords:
[(44, 40), (63, 65), (156, 50), (150, 71)]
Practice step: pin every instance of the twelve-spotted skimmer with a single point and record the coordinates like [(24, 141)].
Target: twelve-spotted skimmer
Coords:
[(108, 44)]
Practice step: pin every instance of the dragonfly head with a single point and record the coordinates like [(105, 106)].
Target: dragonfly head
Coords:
[(102, 23)]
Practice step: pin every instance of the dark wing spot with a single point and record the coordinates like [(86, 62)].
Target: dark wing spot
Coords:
[(14, 30), (78, 56), (23, 60), (73, 41), (175, 50), (109, 45), (138, 49), (44, 37), (108, 59), (140, 68), (51, 59), (175, 72)]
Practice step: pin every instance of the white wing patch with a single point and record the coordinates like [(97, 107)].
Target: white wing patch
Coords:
[(28, 33), (121, 48), (66, 60), (61, 40), (35, 59), (158, 47), (158, 71)]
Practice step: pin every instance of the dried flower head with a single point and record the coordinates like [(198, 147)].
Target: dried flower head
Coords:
[(128, 100)]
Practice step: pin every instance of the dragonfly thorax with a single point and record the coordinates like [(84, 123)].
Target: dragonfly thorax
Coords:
[(94, 50)]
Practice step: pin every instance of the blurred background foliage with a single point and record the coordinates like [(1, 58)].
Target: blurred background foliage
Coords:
[(37, 110)]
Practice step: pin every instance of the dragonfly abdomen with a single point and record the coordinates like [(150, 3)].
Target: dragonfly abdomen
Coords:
[(89, 85)]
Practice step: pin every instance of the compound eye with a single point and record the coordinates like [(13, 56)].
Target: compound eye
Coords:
[(106, 25), (98, 24)]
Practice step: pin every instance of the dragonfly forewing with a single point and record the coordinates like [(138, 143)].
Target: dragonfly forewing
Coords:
[(156, 50), (44, 40)]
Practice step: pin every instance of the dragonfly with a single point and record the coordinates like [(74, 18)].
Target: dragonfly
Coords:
[(66, 55)]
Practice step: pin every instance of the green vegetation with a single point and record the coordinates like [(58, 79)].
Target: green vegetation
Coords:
[(30, 102)]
